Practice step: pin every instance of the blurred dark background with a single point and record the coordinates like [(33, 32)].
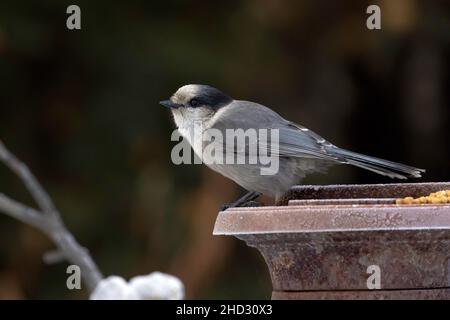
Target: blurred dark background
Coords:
[(81, 109)]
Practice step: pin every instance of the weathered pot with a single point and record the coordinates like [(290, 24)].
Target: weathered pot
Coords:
[(322, 249)]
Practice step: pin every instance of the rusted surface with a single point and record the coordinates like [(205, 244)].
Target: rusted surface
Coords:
[(392, 190), (322, 250), (434, 294), (339, 261)]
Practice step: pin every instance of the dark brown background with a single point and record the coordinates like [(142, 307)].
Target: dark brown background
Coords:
[(81, 108)]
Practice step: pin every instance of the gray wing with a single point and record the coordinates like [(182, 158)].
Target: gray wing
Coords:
[(294, 140)]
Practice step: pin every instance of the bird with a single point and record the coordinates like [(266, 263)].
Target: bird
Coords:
[(300, 151)]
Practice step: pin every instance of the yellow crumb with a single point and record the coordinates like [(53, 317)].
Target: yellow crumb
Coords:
[(442, 196), (423, 200), (435, 200)]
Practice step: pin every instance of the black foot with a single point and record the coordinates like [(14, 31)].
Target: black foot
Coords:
[(252, 204), (244, 205), (245, 201)]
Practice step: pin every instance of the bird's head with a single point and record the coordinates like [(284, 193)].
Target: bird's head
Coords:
[(196, 101)]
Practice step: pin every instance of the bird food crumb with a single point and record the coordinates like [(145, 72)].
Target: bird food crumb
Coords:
[(434, 198)]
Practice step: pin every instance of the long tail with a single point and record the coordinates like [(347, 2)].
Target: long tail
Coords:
[(377, 165)]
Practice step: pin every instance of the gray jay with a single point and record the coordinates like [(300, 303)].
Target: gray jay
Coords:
[(300, 150)]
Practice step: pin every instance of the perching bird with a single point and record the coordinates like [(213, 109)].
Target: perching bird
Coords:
[(301, 151)]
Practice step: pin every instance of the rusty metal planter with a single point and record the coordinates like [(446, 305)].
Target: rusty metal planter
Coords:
[(321, 249)]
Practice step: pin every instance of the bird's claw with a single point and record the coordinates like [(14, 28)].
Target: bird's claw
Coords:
[(247, 204)]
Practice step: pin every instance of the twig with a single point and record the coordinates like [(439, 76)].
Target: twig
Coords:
[(53, 257), (21, 212), (47, 219)]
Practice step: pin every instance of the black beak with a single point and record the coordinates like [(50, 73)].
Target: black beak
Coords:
[(169, 104)]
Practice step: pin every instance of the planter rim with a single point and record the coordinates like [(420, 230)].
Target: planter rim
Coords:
[(336, 218), (372, 185)]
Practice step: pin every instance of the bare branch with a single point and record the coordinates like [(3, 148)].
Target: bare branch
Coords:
[(53, 257), (48, 221), (34, 187)]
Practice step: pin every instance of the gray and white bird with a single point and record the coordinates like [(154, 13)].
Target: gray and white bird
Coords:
[(301, 151)]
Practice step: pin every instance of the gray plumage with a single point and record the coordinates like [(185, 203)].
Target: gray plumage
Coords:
[(301, 151)]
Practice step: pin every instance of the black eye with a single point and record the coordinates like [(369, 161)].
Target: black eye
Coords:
[(194, 102)]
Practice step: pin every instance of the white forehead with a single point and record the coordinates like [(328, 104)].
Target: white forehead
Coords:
[(189, 90)]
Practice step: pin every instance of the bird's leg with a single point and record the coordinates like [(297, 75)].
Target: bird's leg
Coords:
[(245, 201)]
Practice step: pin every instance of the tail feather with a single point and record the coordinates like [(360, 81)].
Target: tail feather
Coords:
[(377, 165)]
